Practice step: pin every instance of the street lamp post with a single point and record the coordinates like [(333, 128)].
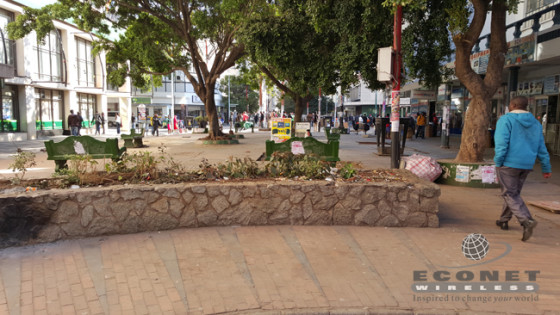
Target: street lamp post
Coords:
[(228, 104)]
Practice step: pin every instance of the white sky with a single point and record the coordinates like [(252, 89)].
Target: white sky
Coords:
[(36, 3)]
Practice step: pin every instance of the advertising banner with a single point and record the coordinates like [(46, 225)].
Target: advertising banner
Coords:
[(281, 129)]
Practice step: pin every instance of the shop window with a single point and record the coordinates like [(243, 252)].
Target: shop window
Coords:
[(9, 122), (49, 56), (536, 5), (86, 63), (7, 46), (87, 104), (49, 109)]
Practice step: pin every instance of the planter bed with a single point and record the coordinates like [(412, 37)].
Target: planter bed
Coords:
[(46, 216)]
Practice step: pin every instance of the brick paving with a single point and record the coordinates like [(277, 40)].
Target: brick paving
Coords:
[(291, 269)]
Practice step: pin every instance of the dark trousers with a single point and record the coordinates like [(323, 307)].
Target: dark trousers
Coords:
[(420, 131), (511, 182)]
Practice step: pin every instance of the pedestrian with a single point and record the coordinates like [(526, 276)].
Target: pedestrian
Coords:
[(97, 122), (421, 125), (73, 123), (103, 122), (519, 141), (168, 126), (132, 121), (155, 125), (118, 123), (80, 120)]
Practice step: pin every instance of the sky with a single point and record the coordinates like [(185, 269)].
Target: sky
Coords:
[(36, 3)]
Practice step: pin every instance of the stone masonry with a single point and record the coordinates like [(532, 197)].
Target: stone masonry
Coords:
[(61, 214)]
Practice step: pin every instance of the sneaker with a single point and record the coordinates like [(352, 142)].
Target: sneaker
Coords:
[(502, 225), (528, 227)]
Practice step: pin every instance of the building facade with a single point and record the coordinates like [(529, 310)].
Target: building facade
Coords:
[(52, 77)]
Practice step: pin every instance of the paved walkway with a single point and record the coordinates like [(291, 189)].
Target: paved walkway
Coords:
[(290, 269)]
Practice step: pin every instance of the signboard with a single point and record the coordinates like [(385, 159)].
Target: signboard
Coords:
[(395, 108), (550, 84), (521, 51), (141, 100), (301, 128), (196, 99), (534, 87), (281, 129), (141, 112), (423, 95)]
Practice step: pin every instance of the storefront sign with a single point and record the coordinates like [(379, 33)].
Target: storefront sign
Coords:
[(141, 100), (550, 84), (530, 87), (423, 95), (521, 51)]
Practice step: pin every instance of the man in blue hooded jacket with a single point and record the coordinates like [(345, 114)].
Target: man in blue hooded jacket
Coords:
[(519, 141)]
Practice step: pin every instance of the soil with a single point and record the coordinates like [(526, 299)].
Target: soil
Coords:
[(107, 179)]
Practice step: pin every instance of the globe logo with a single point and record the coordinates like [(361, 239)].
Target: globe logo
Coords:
[(475, 246)]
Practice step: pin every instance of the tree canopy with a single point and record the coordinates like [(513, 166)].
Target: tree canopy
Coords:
[(160, 36)]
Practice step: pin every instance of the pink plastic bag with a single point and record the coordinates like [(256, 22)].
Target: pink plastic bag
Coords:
[(423, 166)]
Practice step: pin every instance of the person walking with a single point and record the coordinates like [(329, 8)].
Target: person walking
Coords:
[(97, 122), (519, 141), (421, 125), (73, 123), (103, 121), (132, 122), (155, 125), (80, 120), (118, 123)]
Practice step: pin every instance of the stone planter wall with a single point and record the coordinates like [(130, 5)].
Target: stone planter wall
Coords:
[(60, 214)]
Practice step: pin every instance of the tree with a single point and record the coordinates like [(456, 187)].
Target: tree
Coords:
[(294, 55), (160, 36), (241, 93), (465, 21)]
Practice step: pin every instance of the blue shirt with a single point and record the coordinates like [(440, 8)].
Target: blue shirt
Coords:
[(519, 141)]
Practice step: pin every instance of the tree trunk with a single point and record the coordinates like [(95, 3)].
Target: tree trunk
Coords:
[(299, 108), (475, 130), (210, 106), (477, 118)]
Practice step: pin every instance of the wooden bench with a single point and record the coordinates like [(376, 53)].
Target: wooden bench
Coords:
[(61, 152), (325, 151), (134, 139)]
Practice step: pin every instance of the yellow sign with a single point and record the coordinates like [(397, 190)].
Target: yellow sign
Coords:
[(281, 129)]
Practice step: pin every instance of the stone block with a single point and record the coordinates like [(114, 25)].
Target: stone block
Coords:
[(389, 220), (83, 197), (433, 220), (200, 203), (207, 218), (67, 211), (416, 219), (187, 196), (356, 190), (188, 219), (249, 191), (296, 197), (213, 191), (341, 191), (176, 207), (160, 205), (367, 216), (102, 226), (121, 209), (170, 192), (132, 224), (87, 215), (296, 215), (401, 211), (220, 203), (308, 188), (50, 233), (235, 197), (131, 194), (319, 218), (342, 215), (198, 189), (429, 204)]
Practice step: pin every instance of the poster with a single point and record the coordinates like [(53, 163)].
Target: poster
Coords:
[(301, 129), (297, 148), (462, 174), (488, 174), (281, 129)]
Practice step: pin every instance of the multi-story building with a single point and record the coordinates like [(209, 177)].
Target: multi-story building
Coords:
[(176, 96), (44, 80)]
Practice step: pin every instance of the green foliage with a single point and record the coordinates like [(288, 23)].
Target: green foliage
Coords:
[(243, 91), (143, 164), (80, 166), (347, 171), (22, 161), (239, 168), (305, 166)]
